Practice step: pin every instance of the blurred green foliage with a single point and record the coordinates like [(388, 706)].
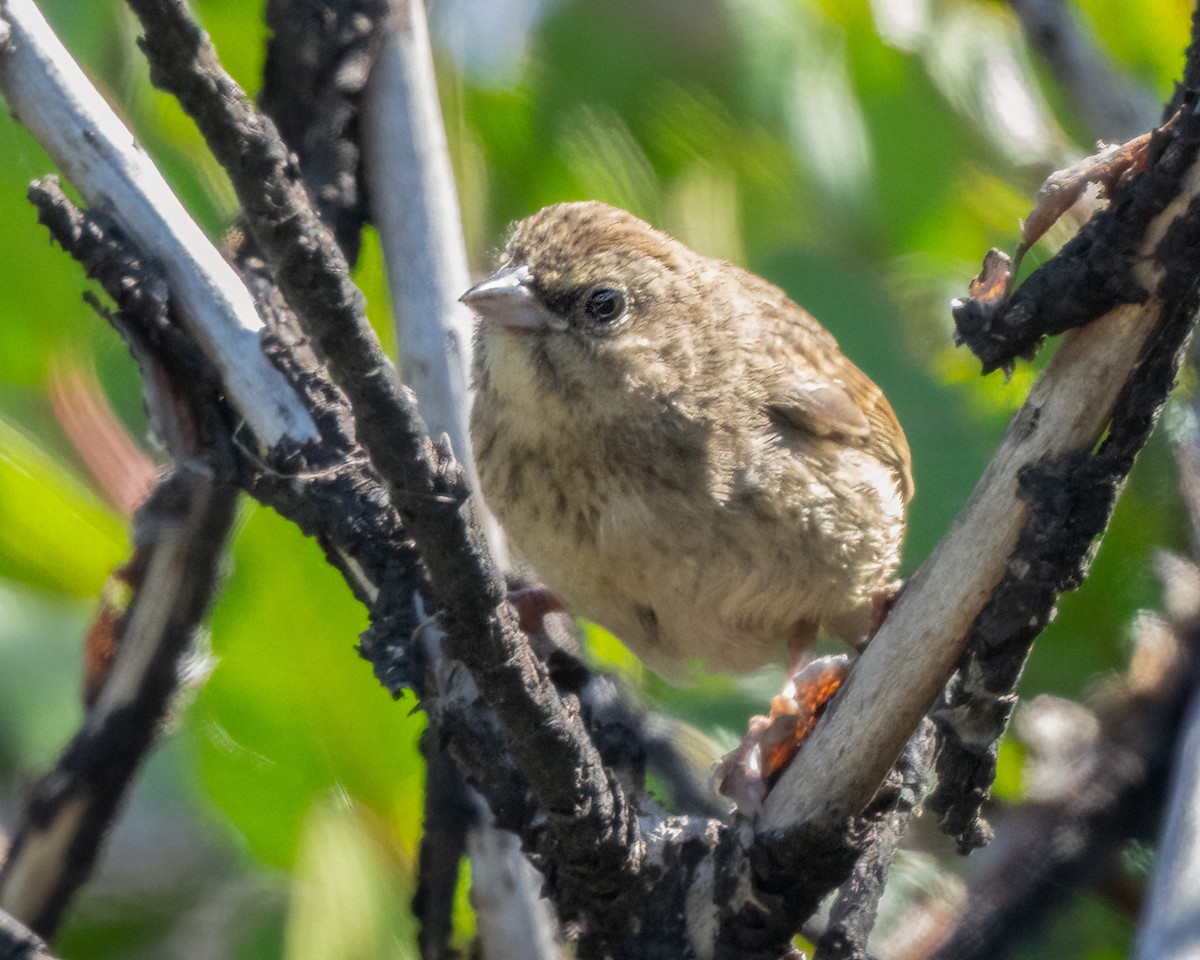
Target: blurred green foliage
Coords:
[(862, 155)]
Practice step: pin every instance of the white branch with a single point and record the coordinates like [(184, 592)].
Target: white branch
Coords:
[(514, 920), (50, 95), (415, 206), (903, 670), (1170, 927)]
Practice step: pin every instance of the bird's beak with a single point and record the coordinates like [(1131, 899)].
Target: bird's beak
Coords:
[(507, 298)]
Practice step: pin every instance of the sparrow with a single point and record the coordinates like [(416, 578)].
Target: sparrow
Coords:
[(683, 454)]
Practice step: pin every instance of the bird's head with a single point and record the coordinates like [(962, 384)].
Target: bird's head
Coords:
[(580, 295)]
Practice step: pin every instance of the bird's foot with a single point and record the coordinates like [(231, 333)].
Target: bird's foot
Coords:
[(532, 604), (747, 774)]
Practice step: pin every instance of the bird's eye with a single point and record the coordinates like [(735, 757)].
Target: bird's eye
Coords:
[(605, 305)]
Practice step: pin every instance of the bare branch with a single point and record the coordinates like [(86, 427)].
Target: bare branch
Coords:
[(181, 531), (52, 98), (1169, 930), (179, 534), (415, 206), (1101, 368), (313, 81), (1079, 832), (589, 814), (449, 813), (853, 914)]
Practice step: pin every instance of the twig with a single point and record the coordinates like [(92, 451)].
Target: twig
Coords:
[(449, 813), (49, 93), (19, 943)]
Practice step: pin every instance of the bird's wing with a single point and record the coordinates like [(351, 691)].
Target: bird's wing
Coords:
[(821, 407), (813, 388), (840, 401)]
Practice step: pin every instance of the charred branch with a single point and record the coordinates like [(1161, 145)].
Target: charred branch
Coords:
[(589, 815), (1078, 833), (852, 917), (318, 61), (180, 533)]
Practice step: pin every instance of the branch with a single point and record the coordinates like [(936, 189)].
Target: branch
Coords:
[(316, 70), (332, 491), (19, 943), (1168, 927), (415, 206), (1078, 833), (449, 813), (588, 814), (853, 913), (54, 100), (998, 571), (179, 533)]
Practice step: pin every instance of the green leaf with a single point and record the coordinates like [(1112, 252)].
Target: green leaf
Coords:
[(290, 713), (55, 534)]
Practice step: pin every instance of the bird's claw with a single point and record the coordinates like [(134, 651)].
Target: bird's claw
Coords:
[(748, 772)]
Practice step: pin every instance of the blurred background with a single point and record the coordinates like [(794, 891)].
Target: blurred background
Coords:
[(862, 155)]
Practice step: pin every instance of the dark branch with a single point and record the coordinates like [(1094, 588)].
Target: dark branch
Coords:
[(1189, 84), (449, 813), (1111, 105), (180, 533), (1091, 274), (588, 814), (1069, 501), (853, 914), (318, 60), (1050, 848)]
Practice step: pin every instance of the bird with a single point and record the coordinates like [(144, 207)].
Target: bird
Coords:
[(682, 453)]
